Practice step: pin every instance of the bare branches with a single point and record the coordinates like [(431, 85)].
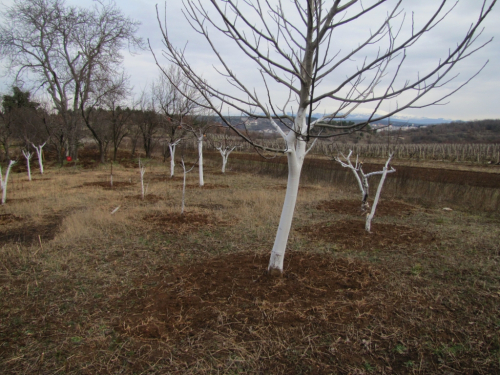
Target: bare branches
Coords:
[(293, 47), (69, 51)]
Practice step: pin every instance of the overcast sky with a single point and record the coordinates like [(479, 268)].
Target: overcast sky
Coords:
[(480, 99)]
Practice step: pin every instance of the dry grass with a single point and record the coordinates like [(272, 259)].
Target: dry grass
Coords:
[(84, 291)]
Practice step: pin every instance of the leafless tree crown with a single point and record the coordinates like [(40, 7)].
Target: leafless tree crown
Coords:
[(295, 45)]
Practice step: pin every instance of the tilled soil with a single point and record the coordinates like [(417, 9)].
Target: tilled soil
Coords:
[(351, 234), (353, 207)]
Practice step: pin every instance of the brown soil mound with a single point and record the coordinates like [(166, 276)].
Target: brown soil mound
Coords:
[(352, 234), (151, 198), (29, 232), (353, 207), (211, 206), (237, 288), (283, 187), (163, 177), (177, 223), (106, 184), (9, 218), (205, 187)]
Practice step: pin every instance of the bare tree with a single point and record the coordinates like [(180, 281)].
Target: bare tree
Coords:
[(66, 50), (225, 145), (142, 171), (174, 107), (385, 170), (28, 155), (199, 125), (16, 111), (296, 46), (39, 154), (363, 184), (4, 181), (119, 118), (147, 120), (100, 113)]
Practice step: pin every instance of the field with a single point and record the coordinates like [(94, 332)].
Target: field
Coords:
[(149, 291)]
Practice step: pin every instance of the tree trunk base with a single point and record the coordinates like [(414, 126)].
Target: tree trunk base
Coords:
[(275, 272)]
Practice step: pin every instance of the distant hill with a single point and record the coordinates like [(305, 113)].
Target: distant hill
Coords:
[(482, 131)]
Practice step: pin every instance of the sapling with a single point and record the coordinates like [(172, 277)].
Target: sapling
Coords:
[(3, 181), (185, 172), (28, 155), (362, 179), (39, 154), (111, 175), (171, 147), (369, 217), (224, 152), (142, 170)]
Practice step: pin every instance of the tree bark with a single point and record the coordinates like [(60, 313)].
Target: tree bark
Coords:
[(295, 155), (200, 159)]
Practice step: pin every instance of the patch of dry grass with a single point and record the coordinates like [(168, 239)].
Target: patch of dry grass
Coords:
[(74, 276)]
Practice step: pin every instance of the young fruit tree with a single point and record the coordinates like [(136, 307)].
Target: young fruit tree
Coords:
[(174, 108), (142, 171), (225, 152), (297, 50), (369, 217), (171, 147), (224, 144), (185, 172), (28, 155), (39, 154), (3, 181), (362, 179), (199, 125)]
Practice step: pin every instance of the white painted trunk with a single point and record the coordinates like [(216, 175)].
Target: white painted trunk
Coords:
[(40, 156), (28, 156), (142, 185), (4, 182), (295, 161), (183, 187), (370, 216), (200, 159), (172, 159), (224, 162)]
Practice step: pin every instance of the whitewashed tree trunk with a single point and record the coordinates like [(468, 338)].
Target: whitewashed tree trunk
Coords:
[(183, 186), (142, 170), (296, 152), (369, 217), (3, 181), (28, 155), (172, 147), (225, 155), (111, 175), (200, 158), (185, 172), (361, 177), (40, 156)]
